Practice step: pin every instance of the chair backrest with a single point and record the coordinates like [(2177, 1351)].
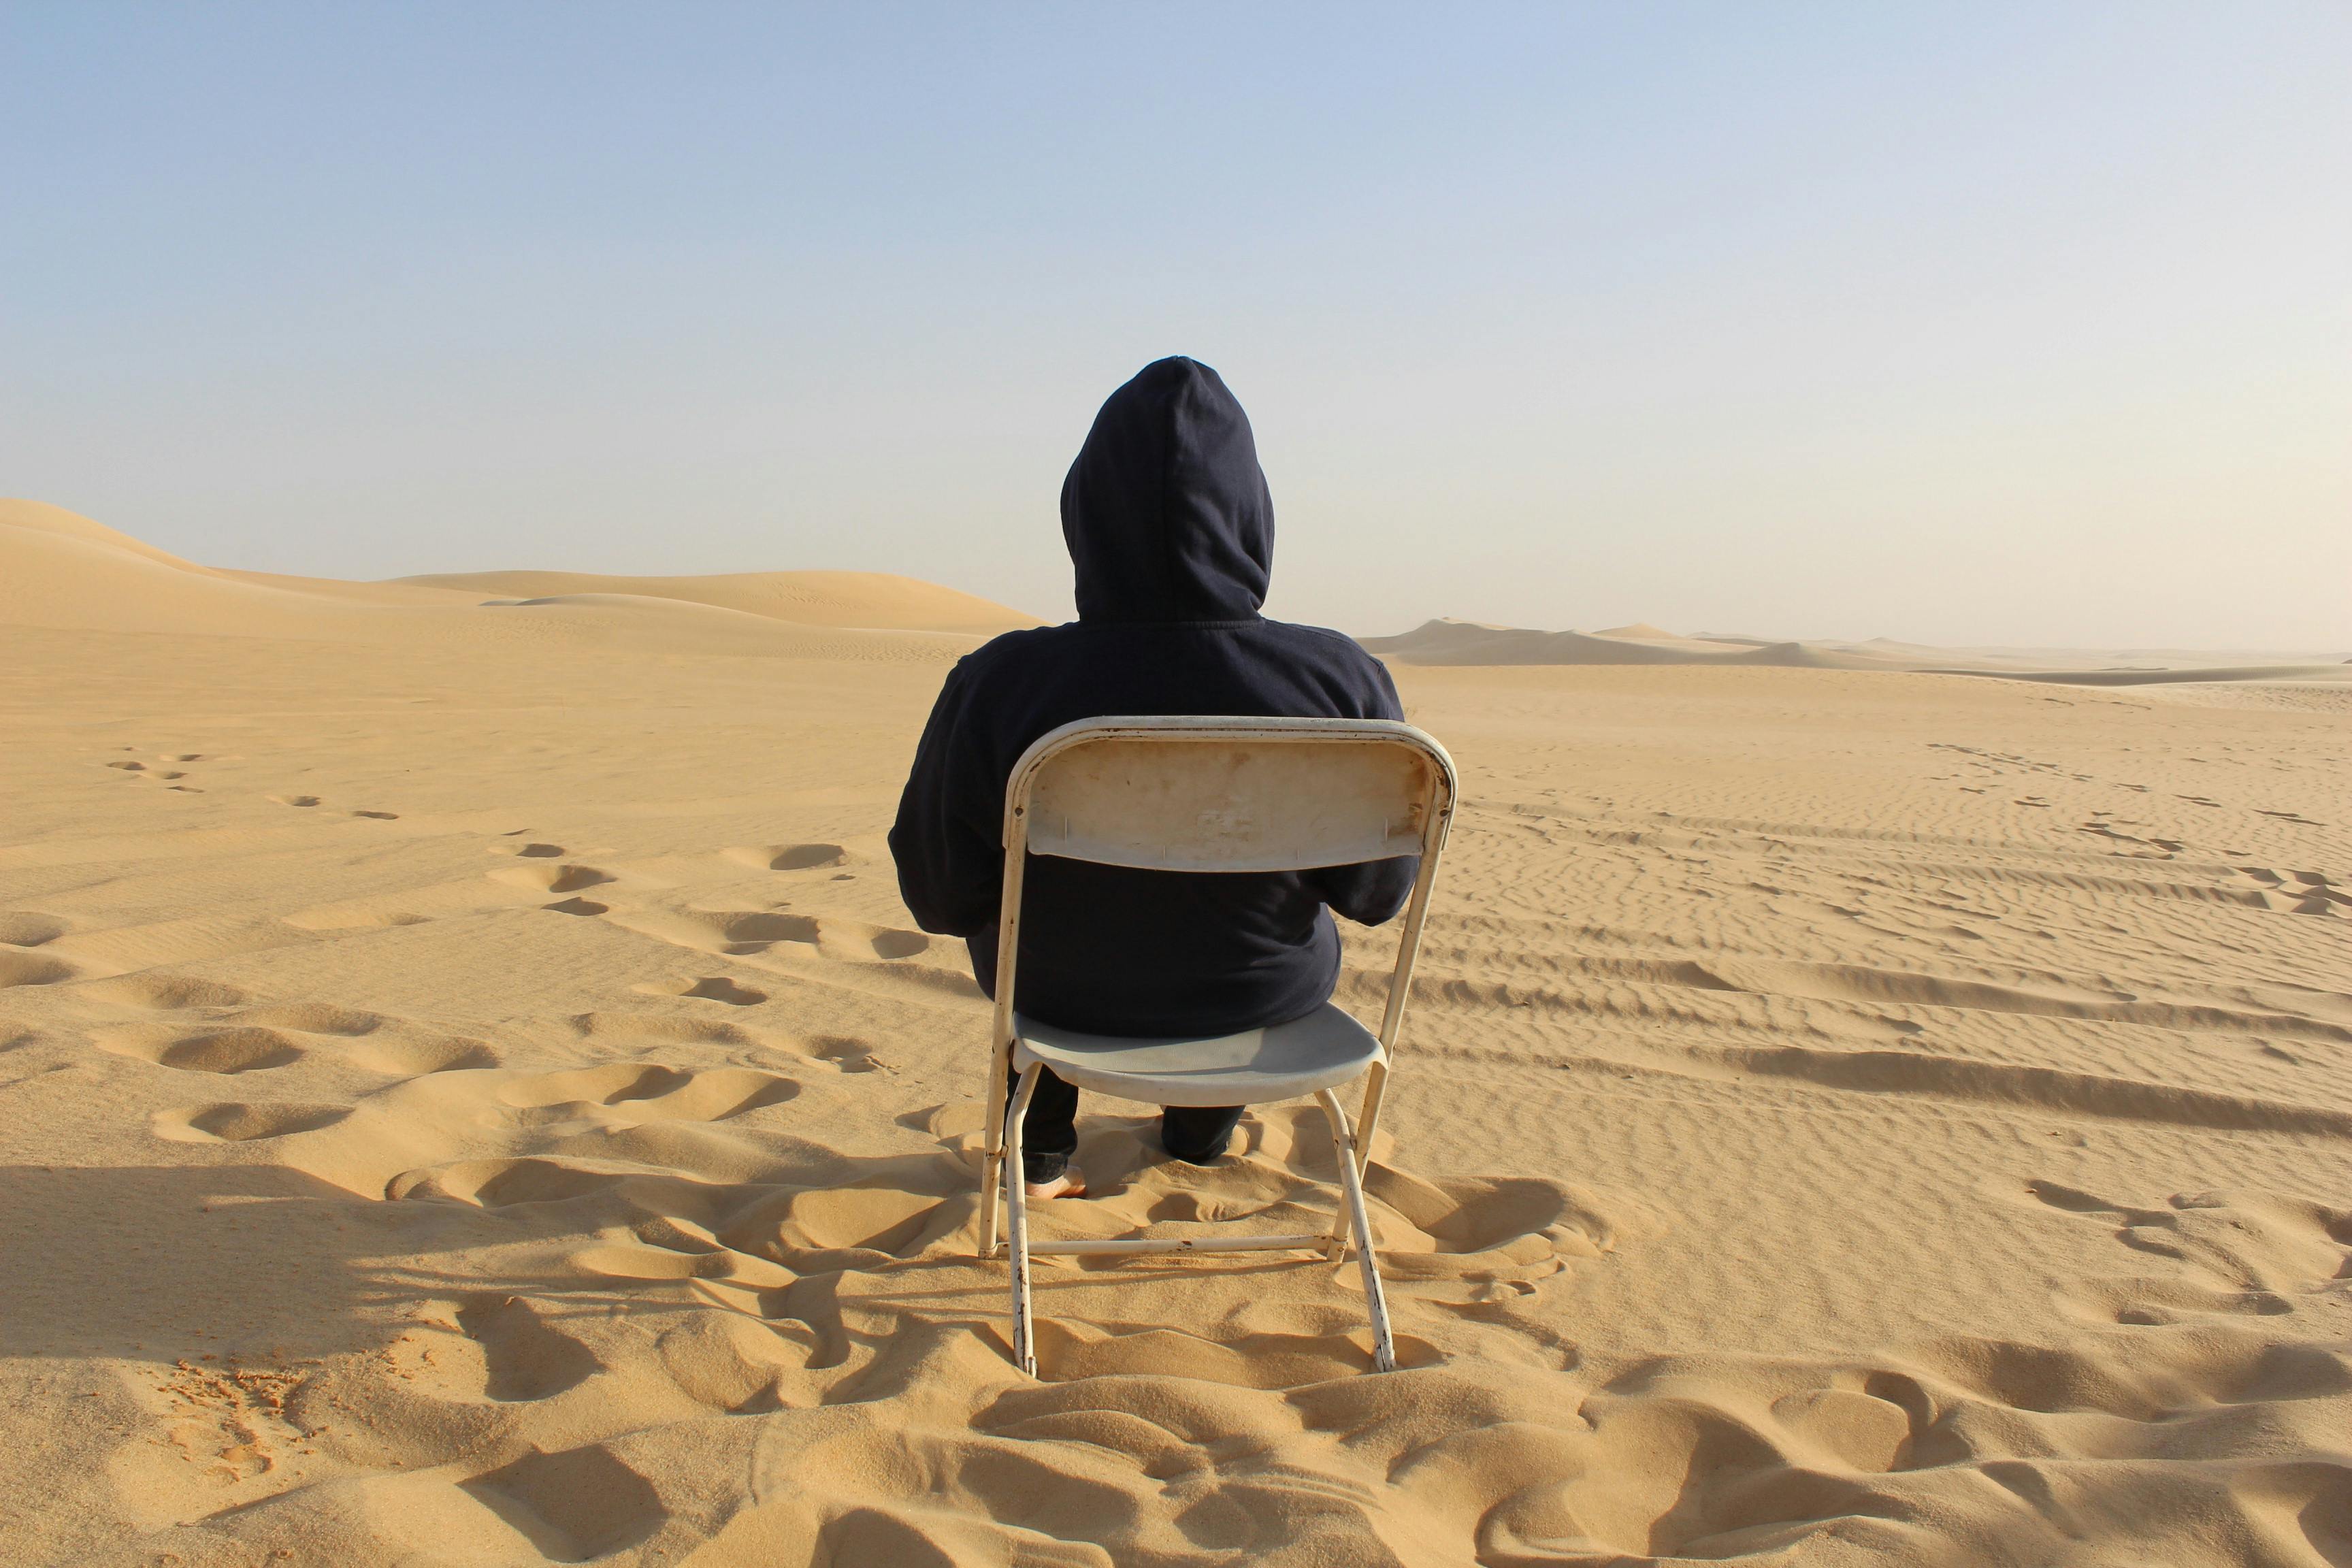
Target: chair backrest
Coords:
[(1192, 794), (1196, 794)]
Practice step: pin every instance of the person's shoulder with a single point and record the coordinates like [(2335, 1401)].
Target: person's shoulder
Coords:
[(1353, 681), (1323, 640), (1012, 650)]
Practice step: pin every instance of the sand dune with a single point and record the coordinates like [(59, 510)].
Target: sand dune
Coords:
[(877, 599), (62, 571), (1441, 641), (475, 1099), (40, 517), (393, 593)]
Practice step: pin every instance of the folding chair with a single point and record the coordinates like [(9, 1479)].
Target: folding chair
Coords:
[(1212, 794)]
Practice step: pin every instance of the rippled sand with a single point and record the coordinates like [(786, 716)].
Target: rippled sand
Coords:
[(471, 1096)]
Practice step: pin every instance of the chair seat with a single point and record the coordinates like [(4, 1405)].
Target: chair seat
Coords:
[(1322, 1051)]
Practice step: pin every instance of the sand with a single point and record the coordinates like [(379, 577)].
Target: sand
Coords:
[(472, 1096), (2325, 675)]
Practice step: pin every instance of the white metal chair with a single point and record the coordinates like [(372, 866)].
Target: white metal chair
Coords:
[(1212, 794)]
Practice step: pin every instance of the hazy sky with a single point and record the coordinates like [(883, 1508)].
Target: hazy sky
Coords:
[(1978, 323)]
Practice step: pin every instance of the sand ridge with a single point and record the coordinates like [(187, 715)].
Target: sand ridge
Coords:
[(495, 1110), (1451, 642), (63, 570), (871, 599)]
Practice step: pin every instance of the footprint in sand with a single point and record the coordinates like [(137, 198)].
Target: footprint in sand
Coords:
[(256, 1038), (526, 1357), (379, 815), (301, 800), (734, 932), (33, 969), (586, 1499), (613, 1098), (415, 1057), (2246, 1254), (376, 1043), (676, 1248), (236, 1122), (847, 1052), (233, 1049), (563, 879), (578, 907), (22, 928), (165, 992), (737, 932), (736, 1363), (128, 766), (317, 1018), (649, 1091), (787, 856), (530, 851), (708, 988), (499, 1184)]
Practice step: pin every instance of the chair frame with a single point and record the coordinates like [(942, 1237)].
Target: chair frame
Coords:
[(1002, 1163)]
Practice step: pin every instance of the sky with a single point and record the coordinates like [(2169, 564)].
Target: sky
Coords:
[(1970, 323)]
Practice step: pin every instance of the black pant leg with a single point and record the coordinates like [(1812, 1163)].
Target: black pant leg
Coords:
[(1197, 1134), (1049, 1134)]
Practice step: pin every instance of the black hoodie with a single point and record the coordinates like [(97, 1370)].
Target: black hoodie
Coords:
[(1169, 526)]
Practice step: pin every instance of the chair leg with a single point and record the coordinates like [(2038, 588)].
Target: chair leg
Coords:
[(1343, 1145), (992, 1175), (991, 1147), (1375, 1080), (1017, 1209)]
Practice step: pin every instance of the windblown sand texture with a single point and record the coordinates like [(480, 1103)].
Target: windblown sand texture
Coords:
[(472, 1096)]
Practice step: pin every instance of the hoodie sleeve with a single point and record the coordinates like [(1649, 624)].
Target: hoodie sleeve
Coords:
[(947, 838), (1371, 893), (1375, 892)]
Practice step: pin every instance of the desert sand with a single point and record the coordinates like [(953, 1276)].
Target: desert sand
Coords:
[(1450, 642), (473, 1097)]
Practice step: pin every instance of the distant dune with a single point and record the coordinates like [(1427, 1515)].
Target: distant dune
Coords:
[(872, 599), (64, 571), (1472, 643)]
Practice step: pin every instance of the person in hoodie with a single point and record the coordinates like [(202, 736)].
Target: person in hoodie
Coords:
[(1170, 530)]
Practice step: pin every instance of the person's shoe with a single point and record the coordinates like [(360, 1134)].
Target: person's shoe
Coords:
[(1070, 1184)]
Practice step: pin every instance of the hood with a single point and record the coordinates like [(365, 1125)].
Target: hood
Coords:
[(1166, 511)]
